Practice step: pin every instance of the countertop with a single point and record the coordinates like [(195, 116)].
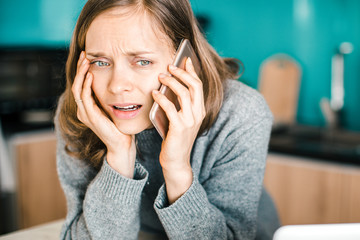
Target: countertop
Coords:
[(340, 146), (334, 145)]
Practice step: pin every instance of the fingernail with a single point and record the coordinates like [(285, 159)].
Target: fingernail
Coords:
[(82, 54), (189, 60), (172, 67), (156, 92)]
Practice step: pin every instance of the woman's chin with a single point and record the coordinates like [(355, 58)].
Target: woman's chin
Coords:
[(132, 129)]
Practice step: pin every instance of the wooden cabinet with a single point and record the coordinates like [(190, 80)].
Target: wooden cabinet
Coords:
[(307, 191), (40, 197)]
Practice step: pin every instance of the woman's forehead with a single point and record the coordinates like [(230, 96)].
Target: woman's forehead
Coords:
[(128, 25)]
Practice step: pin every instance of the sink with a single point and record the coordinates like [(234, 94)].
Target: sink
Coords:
[(332, 144)]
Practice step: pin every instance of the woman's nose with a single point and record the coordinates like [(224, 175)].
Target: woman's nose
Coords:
[(121, 81)]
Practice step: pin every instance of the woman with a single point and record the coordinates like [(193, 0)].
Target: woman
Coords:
[(204, 180)]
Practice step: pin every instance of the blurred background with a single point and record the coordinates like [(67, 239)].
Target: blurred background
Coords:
[(302, 55)]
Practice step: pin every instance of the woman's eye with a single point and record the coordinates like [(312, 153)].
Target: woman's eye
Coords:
[(143, 63), (100, 63)]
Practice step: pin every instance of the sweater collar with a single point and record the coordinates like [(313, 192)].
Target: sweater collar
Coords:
[(148, 140)]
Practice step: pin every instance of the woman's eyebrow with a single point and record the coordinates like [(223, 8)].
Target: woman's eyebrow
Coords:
[(96, 54), (128, 53), (136, 53)]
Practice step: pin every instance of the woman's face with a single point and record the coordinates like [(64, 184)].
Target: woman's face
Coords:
[(126, 55)]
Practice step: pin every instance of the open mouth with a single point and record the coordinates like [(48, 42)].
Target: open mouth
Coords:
[(128, 108)]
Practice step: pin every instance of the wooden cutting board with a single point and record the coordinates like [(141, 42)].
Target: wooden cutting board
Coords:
[(279, 82)]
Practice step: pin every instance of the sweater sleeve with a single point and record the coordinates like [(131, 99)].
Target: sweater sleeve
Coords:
[(100, 205), (225, 205)]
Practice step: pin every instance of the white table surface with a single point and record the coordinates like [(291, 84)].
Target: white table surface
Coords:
[(51, 231), (48, 231)]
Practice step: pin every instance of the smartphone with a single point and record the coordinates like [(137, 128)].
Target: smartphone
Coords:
[(157, 115)]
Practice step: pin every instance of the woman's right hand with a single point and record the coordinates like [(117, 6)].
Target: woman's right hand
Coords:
[(121, 150)]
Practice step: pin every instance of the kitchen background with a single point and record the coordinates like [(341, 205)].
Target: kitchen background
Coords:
[(310, 31)]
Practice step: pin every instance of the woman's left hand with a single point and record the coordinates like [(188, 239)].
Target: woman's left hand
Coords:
[(184, 126)]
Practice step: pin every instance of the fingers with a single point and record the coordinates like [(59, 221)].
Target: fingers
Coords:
[(199, 97), (81, 89), (83, 67), (188, 76), (81, 58), (189, 67), (190, 97), (87, 110), (86, 99), (194, 84), (86, 94), (168, 107), (180, 90)]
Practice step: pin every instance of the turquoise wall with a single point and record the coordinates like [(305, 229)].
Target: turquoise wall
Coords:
[(308, 30), (44, 23)]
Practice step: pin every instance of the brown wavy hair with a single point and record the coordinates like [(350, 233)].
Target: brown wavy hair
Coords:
[(176, 19)]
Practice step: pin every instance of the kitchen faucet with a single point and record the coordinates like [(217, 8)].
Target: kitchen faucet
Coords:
[(331, 110)]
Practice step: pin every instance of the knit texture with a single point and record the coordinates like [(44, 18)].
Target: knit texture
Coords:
[(228, 164)]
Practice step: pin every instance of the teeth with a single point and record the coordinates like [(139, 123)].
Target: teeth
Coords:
[(128, 108)]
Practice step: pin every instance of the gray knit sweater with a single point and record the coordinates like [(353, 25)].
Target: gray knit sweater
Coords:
[(228, 164)]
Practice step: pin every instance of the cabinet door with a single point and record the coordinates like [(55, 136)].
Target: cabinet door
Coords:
[(40, 197), (310, 192)]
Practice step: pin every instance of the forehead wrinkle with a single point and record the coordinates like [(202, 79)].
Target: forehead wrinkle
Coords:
[(143, 40), (141, 16)]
